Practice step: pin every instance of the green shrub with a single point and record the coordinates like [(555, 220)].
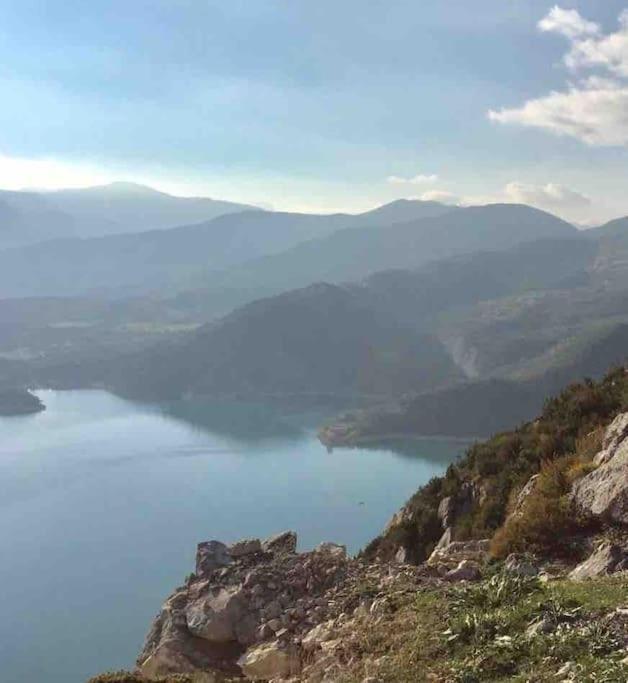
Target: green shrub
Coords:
[(546, 520), (571, 423)]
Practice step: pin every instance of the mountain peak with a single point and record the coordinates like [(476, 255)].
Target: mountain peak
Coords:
[(126, 187)]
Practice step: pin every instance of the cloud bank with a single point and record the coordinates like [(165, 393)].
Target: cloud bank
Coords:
[(593, 107)]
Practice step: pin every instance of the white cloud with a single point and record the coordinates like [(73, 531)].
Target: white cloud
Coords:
[(550, 196), (593, 109), (420, 179), (568, 22), (441, 196)]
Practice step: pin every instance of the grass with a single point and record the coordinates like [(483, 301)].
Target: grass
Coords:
[(477, 632)]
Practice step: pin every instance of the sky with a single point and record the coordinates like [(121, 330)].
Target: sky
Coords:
[(322, 106)]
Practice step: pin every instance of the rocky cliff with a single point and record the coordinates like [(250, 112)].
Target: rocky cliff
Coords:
[(511, 567)]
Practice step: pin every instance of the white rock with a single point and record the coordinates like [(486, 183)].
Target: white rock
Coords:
[(269, 661), (214, 617)]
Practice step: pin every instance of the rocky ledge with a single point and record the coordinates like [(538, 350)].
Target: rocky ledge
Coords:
[(262, 611)]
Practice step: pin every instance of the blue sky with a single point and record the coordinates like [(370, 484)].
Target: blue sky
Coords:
[(326, 105)]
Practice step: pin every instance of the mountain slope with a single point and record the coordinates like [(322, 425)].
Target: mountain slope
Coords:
[(172, 259), (122, 207), (27, 217), (352, 254), (322, 339)]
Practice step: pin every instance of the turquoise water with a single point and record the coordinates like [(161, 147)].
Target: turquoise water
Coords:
[(102, 502)]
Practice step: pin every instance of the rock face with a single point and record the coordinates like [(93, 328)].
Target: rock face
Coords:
[(453, 507), (261, 610), (450, 555), (607, 559), (603, 494)]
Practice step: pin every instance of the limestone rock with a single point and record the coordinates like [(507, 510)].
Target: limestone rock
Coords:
[(211, 555), (524, 494), (467, 570), (248, 546), (269, 661), (453, 507), (282, 609), (603, 493), (607, 559), (401, 556), (443, 542), (519, 566), (285, 542), (319, 634), (332, 548), (446, 510), (453, 553), (214, 617), (615, 434)]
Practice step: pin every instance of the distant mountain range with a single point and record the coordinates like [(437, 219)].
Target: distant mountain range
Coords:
[(30, 217), (246, 255), (495, 306), (169, 260)]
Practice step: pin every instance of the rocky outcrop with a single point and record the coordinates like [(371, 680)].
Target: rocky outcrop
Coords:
[(452, 508), (449, 556), (603, 493), (263, 611), (615, 434), (608, 558)]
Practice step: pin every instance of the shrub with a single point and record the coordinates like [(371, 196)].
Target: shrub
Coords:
[(546, 520)]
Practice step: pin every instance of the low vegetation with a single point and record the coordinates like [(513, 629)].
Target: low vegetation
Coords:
[(504, 628), (559, 445)]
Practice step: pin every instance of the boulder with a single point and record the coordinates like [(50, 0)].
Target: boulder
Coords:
[(443, 542), (402, 555), (211, 555), (465, 571), (453, 507), (518, 565), (446, 511), (603, 494), (269, 661), (319, 634), (333, 549), (607, 559), (248, 546), (615, 434), (215, 616), (284, 543), (453, 553)]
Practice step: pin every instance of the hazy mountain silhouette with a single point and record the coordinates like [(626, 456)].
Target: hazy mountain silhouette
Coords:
[(173, 259), (27, 217), (33, 216), (352, 253)]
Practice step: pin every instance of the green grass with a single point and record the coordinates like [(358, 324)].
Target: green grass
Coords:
[(475, 633)]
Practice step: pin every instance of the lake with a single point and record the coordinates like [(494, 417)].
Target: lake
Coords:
[(102, 503)]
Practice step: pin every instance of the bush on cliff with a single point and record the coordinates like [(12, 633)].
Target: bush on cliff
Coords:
[(570, 426)]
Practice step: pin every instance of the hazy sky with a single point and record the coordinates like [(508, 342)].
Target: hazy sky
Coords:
[(321, 104)]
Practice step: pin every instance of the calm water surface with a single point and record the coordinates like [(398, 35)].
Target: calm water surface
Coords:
[(102, 502)]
